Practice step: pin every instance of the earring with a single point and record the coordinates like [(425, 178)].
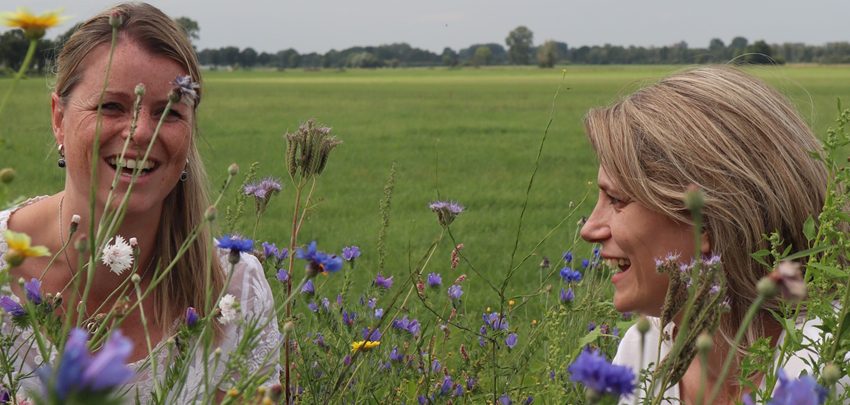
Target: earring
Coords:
[(61, 161), (184, 175)]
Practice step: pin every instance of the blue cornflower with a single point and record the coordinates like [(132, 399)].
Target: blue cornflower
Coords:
[(191, 317), (446, 386), (11, 306), (33, 289), (271, 250), (570, 276), (434, 280), (308, 288), (455, 292), (593, 370), (349, 253), (410, 325), (381, 281), (235, 243), (79, 371), (318, 262), (568, 257), (585, 263), (283, 275), (374, 336), (511, 340), (803, 391), (567, 295)]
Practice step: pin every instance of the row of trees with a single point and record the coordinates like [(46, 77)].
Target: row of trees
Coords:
[(519, 49)]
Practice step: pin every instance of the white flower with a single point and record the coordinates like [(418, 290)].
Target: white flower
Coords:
[(229, 309), (118, 256)]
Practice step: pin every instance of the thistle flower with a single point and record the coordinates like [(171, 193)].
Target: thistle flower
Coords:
[(455, 292), (20, 248), (191, 317), (364, 345), (593, 370), (34, 26), (229, 309), (318, 262), (12, 306), (118, 255), (383, 282), (434, 280), (446, 211), (349, 253), (33, 289), (186, 89), (511, 340)]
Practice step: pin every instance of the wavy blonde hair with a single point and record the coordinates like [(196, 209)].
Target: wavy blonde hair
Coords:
[(741, 142), (183, 210)]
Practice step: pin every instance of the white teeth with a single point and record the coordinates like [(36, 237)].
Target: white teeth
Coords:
[(619, 263), (130, 163)]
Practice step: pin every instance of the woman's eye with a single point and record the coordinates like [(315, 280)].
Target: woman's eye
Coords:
[(616, 202), (110, 106)]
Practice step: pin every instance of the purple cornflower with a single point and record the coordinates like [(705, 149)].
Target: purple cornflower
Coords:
[(308, 288), (803, 391), (505, 400), (191, 317), (235, 243), (567, 295), (186, 87), (568, 257), (79, 371), (348, 317), (11, 306), (434, 280), (446, 386), (446, 211), (570, 276), (33, 288), (262, 190), (455, 292), (349, 253), (395, 355), (593, 370), (511, 340), (271, 250), (318, 262), (496, 321), (283, 275), (411, 326), (374, 336), (382, 282)]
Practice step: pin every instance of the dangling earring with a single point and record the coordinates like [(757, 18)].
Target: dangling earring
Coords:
[(61, 161), (184, 175)]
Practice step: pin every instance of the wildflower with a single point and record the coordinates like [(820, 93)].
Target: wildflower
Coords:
[(511, 340), (591, 326), (568, 257), (495, 321), (470, 383), (456, 255), (229, 309), (318, 262), (186, 89), (118, 255), (80, 372), (570, 276), (395, 355), (319, 340), (348, 317), (20, 249), (585, 263), (349, 253), (528, 401), (412, 326), (364, 345), (446, 386), (191, 317), (12, 306), (446, 211), (237, 245), (313, 307), (372, 334), (567, 295), (262, 191), (370, 303), (458, 390), (789, 279), (545, 264), (804, 391), (34, 26), (33, 289), (436, 366), (505, 400), (309, 149), (455, 292), (593, 370), (326, 304), (382, 282), (434, 280), (346, 361), (379, 313), (308, 288), (271, 250), (283, 275)]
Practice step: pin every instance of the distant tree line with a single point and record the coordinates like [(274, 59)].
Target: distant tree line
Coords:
[(518, 49)]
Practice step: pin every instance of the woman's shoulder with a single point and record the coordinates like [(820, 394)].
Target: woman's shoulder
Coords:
[(248, 283), (4, 220)]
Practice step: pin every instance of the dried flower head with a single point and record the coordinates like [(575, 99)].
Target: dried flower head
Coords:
[(308, 149)]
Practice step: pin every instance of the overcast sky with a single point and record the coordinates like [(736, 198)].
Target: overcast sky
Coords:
[(321, 25)]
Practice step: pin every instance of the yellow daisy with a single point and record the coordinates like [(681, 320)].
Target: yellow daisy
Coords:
[(34, 26), (364, 345), (20, 249)]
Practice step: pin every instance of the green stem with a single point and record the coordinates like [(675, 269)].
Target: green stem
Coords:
[(23, 69)]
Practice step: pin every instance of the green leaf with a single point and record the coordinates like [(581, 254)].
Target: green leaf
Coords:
[(808, 252), (828, 271), (589, 338), (809, 229), (760, 255)]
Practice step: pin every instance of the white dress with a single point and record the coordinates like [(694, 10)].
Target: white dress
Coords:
[(628, 354), (247, 283)]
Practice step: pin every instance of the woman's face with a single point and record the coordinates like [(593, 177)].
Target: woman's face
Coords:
[(632, 237), (75, 119)]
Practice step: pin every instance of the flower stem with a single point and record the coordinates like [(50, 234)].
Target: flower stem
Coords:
[(23, 69)]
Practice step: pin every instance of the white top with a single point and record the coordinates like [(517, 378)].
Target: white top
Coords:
[(248, 284), (628, 354)]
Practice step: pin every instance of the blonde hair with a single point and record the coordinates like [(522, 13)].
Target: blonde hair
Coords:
[(183, 209), (737, 139)]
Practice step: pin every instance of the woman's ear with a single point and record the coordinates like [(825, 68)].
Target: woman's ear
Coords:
[(57, 113), (705, 243)]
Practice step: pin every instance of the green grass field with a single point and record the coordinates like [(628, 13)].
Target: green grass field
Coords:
[(471, 134)]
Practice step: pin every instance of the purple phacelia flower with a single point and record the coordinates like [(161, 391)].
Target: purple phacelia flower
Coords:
[(313, 307), (382, 282), (446, 386), (496, 321), (349, 253), (395, 355), (348, 317), (458, 391), (270, 250), (593, 370), (446, 211), (436, 366), (505, 400), (262, 190), (379, 313), (434, 280), (455, 292), (371, 303), (470, 383)]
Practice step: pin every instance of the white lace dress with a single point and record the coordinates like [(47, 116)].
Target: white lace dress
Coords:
[(247, 283)]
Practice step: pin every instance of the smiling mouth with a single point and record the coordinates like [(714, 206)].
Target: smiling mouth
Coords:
[(128, 165), (621, 265)]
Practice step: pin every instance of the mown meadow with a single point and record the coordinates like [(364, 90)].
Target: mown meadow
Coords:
[(465, 135)]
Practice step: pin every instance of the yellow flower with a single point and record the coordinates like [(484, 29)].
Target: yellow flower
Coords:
[(34, 26), (20, 249), (511, 302), (364, 345)]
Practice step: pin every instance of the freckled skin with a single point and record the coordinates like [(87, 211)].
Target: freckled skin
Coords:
[(627, 229)]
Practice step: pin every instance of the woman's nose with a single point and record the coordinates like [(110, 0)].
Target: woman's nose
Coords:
[(145, 126), (596, 228)]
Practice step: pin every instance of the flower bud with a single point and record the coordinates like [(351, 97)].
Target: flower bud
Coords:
[(704, 342), (288, 328), (233, 169), (139, 90), (135, 278), (643, 325), (544, 264), (767, 287), (7, 175), (209, 214), (75, 222), (831, 374), (134, 242), (174, 96), (116, 19), (694, 198)]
